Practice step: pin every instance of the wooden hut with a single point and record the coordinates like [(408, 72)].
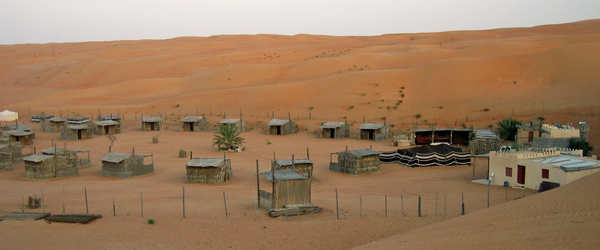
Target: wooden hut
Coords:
[(111, 117), (50, 166), (6, 162), (53, 125), (126, 165), (239, 124), (403, 138), (194, 123), (208, 170), (289, 188), (78, 120), (151, 124), (19, 137), (22, 127), (483, 141), (76, 132), (37, 118), (334, 130), (373, 131), (281, 127), (13, 151), (72, 153), (362, 161), (106, 127), (303, 167)]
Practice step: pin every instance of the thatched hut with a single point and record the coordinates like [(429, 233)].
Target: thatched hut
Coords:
[(151, 123), (208, 170), (289, 188), (72, 153), (194, 123), (483, 141), (239, 124), (303, 167), (373, 131), (126, 165), (78, 120), (111, 117), (334, 130), (53, 125), (6, 161), (281, 127), (12, 151), (50, 166), (19, 137), (107, 127), (76, 132), (37, 118), (362, 161)]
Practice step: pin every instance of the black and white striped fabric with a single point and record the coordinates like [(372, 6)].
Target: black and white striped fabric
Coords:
[(428, 155)]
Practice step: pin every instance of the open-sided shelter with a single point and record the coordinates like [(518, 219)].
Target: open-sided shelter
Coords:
[(442, 135), (303, 167), (107, 127), (53, 125), (194, 123), (78, 120), (289, 188), (151, 123), (50, 166), (239, 124), (21, 137), (281, 127), (362, 161), (76, 132), (373, 131), (71, 153), (334, 130), (428, 155), (208, 170), (126, 165)]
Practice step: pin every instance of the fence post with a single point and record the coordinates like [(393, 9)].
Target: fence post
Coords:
[(386, 205), (337, 210), (63, 200), (43, 202), (402, 203), (114, 208), (361, 209), (436, 202), (419, 206), (183, 199), (506, 193), (225, 202), (23, 202), (463, 203), (142, 202), (445, 213), (87, 211)]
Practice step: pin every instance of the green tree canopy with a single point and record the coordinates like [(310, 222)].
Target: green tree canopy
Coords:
[(507, 128), (228, 137), (583, 144)]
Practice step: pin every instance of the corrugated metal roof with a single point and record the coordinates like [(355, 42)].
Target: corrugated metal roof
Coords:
[(204, 162), (485, 134), (277, 122), (37, 158), (362, 152), (296, 161), (283, 175), (332, 125), (17, 133), (228, 121), (50, 151), (371, 126), (78, 127), (106, 123), (151, 119), (192, 118), (569, 164), (109, 117)]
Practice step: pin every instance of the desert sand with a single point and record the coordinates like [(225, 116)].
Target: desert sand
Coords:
[(449, 78)]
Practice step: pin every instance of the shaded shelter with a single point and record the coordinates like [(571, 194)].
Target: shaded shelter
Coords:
[(362, 161), (107, 127), (70, 152), (53, 125), (303, 167), (194, 123), (126, 165), (20, 137), (281, 127), (151, 124), (50, 166), (334, 130), (288, 188), (373, 131), (208, 170), (76, 132), (483, 141)]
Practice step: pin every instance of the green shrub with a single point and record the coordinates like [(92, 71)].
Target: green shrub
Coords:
[(151, 221)]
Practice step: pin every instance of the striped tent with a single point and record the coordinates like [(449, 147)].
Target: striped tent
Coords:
[(428, 155)]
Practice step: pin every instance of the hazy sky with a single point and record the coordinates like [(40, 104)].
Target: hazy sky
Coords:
[(45, 21)]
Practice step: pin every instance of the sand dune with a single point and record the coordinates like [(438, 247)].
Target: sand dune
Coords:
[(450, 78)]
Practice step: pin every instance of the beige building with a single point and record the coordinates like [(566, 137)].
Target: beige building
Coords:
[(528, 131), (532, 167)]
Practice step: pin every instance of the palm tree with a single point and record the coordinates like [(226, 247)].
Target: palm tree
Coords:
[(507, 128), (228, 136)]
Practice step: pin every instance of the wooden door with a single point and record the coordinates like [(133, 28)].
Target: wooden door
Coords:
[(521, 174)]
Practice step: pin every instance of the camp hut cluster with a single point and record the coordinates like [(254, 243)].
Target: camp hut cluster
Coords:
[(50, 166), (373, 131), (289, 188), (194, 123), (151, 123), (126, 165), (239, 124), (303, 167), (334, 130), (76, 132), (362, 161), (73, 154), (208, 170), (281, 127)]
